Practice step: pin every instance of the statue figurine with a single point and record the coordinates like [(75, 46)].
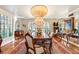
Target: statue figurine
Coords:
[(0, 42)]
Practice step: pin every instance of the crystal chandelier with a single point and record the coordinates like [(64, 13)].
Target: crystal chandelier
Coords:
[(39, 22), (39, 11)]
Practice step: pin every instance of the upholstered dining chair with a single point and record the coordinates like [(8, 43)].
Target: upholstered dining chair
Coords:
[(30, 46), (0, 43), (28, 43), (48, 45)]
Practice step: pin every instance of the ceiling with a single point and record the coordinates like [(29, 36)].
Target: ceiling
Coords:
[(54, 11)]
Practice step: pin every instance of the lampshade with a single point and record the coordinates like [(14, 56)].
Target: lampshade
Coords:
[(39, 10)]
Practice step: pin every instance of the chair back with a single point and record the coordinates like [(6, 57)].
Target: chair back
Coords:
[(0, 42), (29, 39), (48, 45)]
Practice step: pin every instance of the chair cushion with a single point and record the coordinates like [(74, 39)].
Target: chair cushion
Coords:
[(39, 50), (29, 40)]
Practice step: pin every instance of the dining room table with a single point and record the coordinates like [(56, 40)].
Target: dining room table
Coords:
[(43, 40)]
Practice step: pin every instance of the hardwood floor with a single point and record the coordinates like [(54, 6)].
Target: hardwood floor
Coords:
[(19, 48), (62, 48), (14, 48)]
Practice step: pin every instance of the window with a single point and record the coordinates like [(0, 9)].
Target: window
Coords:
[(76, 30), (32, 27), (2, 27), (6, 26), (46, 27), (61, 25)]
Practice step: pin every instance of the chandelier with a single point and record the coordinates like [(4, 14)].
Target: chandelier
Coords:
[(39, 21), (39, 11)]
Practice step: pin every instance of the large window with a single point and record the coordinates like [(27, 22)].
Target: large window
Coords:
[(61, 25), (76, 29), (32, 27), (6, 26), (76, 21), (46, 27)]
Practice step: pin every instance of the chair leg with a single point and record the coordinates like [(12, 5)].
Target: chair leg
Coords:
[(0, 50), (34, 51), (26, 51), (50, 49), (44, 50)]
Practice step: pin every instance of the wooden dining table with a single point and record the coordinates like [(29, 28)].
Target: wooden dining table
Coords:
[(43, 40)]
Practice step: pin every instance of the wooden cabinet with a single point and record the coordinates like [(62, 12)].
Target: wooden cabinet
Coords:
[(18, 34)]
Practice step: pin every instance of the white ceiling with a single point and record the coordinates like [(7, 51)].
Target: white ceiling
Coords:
[(54, 11)]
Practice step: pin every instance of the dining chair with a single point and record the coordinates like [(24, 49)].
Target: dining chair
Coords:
[(48, 45), (28, 43), (31, 48), (0, 43)]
